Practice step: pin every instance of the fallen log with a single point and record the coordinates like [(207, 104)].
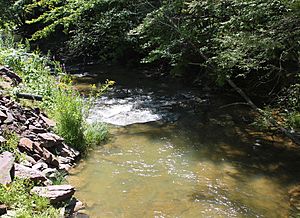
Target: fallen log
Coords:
[(24, 95), (29, 96), (272, 121)]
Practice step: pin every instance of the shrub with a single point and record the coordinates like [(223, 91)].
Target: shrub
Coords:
[(68, 113)]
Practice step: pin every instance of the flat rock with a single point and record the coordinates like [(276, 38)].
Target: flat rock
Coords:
[(7, 160), (36, 129), (48, 121), (40, 166), (49, 139), (29, 173), (55, 193), (26, 144)]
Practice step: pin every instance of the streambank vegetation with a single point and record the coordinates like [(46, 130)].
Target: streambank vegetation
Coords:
[(249, 46), (252, 44)]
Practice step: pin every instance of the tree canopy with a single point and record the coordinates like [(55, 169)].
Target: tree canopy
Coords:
[(256, 42)]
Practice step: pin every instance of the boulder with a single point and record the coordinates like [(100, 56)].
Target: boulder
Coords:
[(29, 173), (55, 193), (7, 160)]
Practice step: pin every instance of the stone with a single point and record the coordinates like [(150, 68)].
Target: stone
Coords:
[(48, 121), (10, 118), (66, 151), (7, 160), (50, 158), (36, 129), (40, 166), (3, 209), (49, 139), (2, 140), (55, 193), (73, 207), (3, 116), (24, 172), (26, 144)]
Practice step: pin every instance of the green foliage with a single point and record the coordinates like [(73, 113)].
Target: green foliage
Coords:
[(294, 120), (68, 112), (17, 197), (95, 133), (59, 178), (59, 99), (11, 144), (91, 28)]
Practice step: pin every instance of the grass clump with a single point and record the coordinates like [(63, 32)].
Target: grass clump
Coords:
[(95, 133), (18, 198)]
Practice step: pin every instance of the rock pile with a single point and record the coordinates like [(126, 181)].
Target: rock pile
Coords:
[(41, 146), (44, 153)]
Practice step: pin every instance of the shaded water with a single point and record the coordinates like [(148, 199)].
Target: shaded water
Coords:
[(194, 161)]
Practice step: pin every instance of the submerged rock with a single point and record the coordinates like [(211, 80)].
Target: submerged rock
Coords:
[(7, 160), (55, 193)]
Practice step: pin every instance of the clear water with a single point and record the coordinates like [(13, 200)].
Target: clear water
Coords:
[(197, 165)]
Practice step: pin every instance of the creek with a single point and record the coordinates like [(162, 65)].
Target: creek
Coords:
[(175, 152)]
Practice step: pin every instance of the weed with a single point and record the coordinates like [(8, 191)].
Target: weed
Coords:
[(95, 133), (11, 145), (59, 178), (18, 198), (68, 113)]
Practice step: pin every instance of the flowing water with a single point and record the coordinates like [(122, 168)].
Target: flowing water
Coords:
[(174, 152)]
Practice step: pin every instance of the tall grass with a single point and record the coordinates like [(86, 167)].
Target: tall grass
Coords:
[(68, 112)]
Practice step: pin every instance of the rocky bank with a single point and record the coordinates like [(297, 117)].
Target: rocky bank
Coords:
[(42, 154)]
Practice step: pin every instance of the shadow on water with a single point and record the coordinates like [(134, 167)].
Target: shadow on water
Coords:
[(237, 167)]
